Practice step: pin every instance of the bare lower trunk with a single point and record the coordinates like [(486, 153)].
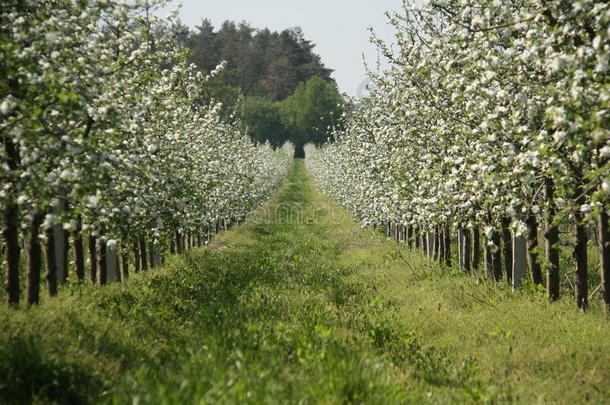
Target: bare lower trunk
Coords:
[(34, 259), (10, 232), (467, 250), (143, 257), (603, 236), (476, 248), (507, 250), (151, 255), (13, 252), (434, 245), (488, 258), (92, 258), (136, 257), (551, 235), (102, 274), (124, 262), (424, 242), (62, 241), (441, 244), (118, 265), (79, 254), (51, 262), (496, 255), (532, 249), (580, 254), (460, 247), (448, 246), (178, 239)]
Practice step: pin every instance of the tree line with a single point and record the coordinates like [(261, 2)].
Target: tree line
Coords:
[(111, 156), (492, 128), (273, 81)]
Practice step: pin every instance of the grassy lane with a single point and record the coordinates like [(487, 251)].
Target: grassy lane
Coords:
[(298, 305)]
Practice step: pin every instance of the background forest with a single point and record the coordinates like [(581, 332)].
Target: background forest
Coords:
[(272, 80)]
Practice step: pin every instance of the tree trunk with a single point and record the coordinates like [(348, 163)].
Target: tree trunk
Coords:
[(151, 255), (423, 241), (488, 258), (467, 250), (532, 247), (10, 232), (448, 246), (34, 255), (603, 237), (136, 257), (519, 261), (13, 252), (416, 238), (119, 263), (441, 244), (102, 273), (433, 246), (143, 256), (440, 251), (507, 250), (62, 243), (79, 254), (476, 248), (51, 262), (496, 255), (551, 235), (93, 258), (179, 249), (580, 254), (124, 262)]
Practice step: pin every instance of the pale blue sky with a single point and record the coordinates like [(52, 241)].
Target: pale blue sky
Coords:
[(337, 27)]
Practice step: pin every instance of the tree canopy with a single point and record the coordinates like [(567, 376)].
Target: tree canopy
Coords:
[(272, 80)]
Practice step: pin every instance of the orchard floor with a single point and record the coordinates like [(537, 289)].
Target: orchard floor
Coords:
[(299, 305)]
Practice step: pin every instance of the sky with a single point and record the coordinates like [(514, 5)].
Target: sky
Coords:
[(337, 27)]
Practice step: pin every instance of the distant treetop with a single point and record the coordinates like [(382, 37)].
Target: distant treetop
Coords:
[(259, 62)]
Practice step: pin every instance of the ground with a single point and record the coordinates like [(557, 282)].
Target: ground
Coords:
[(300, 305)]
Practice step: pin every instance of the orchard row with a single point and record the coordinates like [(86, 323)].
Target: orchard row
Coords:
[(492, 121), (109, 142)]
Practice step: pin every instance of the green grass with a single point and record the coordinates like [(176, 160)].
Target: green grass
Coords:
[(299, 305)]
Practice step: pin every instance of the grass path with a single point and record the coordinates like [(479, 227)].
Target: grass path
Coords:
[(299, 305)]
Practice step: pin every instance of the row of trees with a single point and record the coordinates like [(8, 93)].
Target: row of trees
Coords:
[(108, 142), (493, 120)]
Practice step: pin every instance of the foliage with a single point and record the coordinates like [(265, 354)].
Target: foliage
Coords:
[(259, 62), (89, 117), (489, 110), (265, 120), (306, 116), (313, 111)]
